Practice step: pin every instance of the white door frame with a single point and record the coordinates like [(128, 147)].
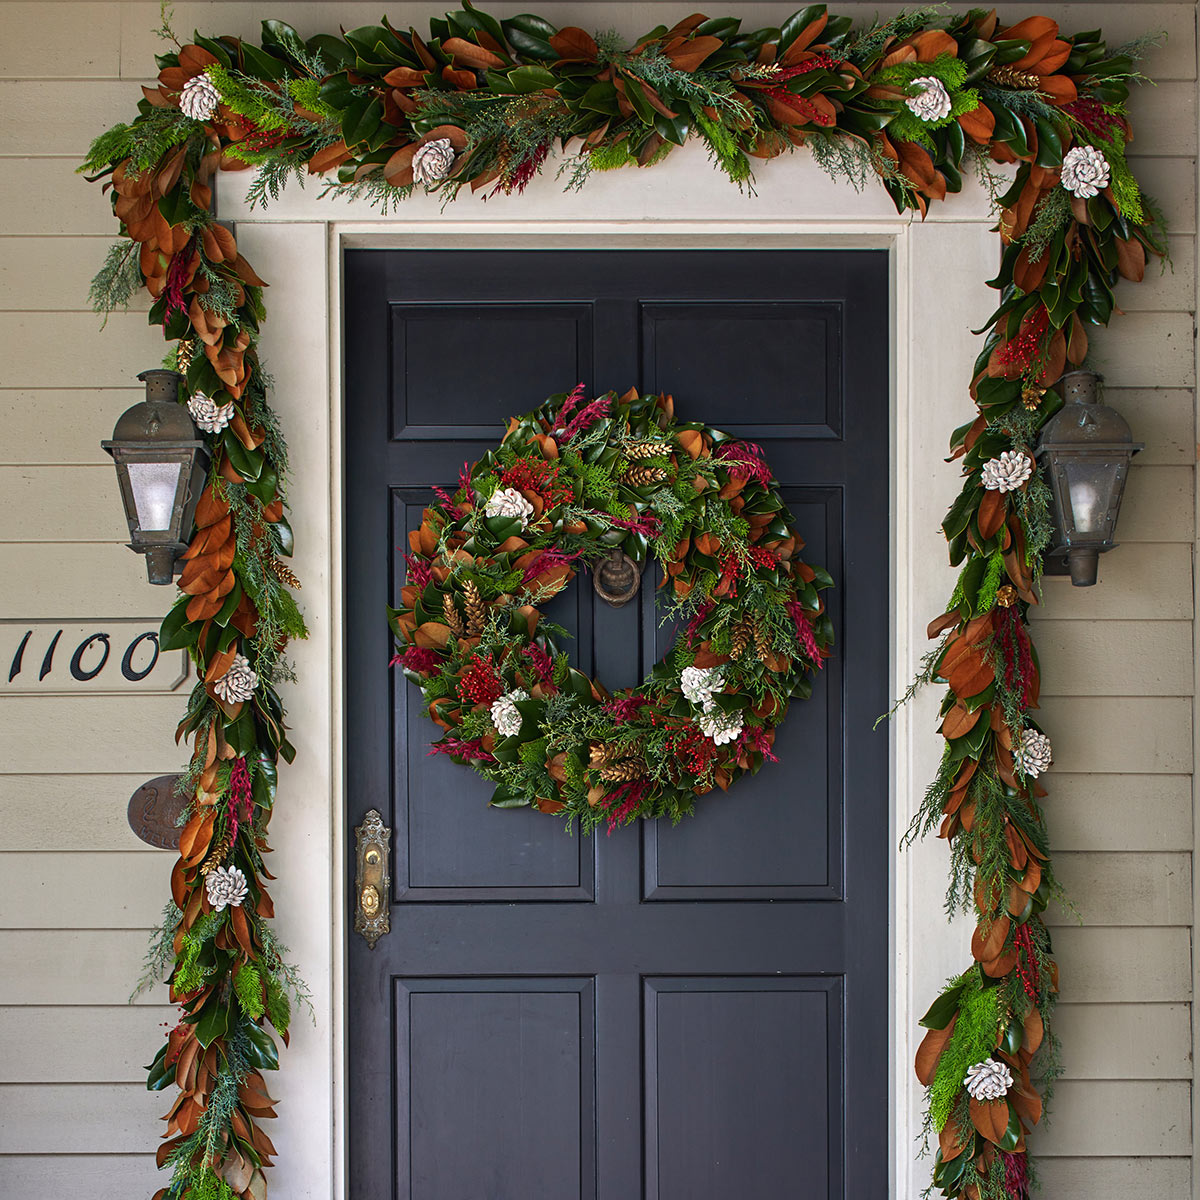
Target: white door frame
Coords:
[(937, 296)]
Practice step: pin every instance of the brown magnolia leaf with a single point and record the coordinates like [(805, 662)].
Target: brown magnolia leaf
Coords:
[(432, 635), (688, 54), (469, 54), (1131, 259), (196, 837), (952, 1140), (1077, 343), (572, 44), (990, 1117), (930, 1050), (971, 674), (979, 124), (236, 1170), (987, 943), (959, 721), (241, 929), (940, 624), (1034, 1032)]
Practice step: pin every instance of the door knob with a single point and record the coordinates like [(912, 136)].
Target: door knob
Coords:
[(373, 878)]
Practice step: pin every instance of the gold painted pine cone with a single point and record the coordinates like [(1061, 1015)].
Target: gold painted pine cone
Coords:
[(623, 771), (450, 615), (476, 609), (637, 450), (639, 476), (284, 573)]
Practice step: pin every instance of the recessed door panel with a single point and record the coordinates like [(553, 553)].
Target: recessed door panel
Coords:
[(721, 1055), (498, 1087)]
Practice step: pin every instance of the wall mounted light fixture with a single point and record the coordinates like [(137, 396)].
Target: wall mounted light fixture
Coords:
[(161, 462), (1085, 450)]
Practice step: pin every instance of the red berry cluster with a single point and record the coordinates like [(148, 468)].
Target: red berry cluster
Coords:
[(479, 683)]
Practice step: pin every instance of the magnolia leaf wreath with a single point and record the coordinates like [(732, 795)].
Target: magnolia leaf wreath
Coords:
[(914, 101), (571, 482)]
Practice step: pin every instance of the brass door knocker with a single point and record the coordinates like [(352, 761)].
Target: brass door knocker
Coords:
[(617, 578)]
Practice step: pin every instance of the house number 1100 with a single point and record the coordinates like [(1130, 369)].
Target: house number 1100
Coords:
[(48, 656)]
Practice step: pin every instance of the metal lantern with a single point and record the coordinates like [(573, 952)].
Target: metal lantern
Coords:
[(161, 463), (1085, 450)]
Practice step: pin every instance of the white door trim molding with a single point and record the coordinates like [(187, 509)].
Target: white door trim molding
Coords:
[(937, 271)]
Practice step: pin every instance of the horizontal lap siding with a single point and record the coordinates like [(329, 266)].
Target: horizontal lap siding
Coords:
[(1118, 659)]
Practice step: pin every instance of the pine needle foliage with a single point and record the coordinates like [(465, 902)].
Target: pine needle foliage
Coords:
[(973, 1039)]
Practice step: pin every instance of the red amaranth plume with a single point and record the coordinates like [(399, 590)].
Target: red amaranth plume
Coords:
[(1016, 1176), (569, 404), (1016, 653), (177, 278), (542, 664), (546, 561), (623, 802), (693, 626), (524, 171), (625, 708), (744, 460), (459, 748), (586, 417), (419, 574), (805, 635), (447, 502), (464, 478), (418, 658), (754, 737), (647, 524), (240, 805)]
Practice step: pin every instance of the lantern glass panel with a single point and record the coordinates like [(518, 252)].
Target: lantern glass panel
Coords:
[(155, 486), (1091, 484)]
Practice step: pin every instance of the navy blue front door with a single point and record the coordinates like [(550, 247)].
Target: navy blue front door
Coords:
[(688, 1013)]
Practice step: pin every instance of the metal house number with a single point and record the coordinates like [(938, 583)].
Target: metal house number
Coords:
[(110, 656)]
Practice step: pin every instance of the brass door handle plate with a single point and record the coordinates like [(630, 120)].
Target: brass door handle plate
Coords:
[(373, 880)]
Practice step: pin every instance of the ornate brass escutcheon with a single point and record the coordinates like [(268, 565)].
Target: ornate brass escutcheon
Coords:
[(617, 578), (373, 880)]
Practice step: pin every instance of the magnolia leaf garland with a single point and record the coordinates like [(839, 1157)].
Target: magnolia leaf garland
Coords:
[(561, 491), (913, 101)]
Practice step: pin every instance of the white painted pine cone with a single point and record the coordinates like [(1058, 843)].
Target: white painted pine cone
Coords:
[(932, 102), (199, 98), (432, 161), (1085, 171), (1033, 755), (721, 726), (506, 717), (698, 685), (238, 683), (1008, 472), (988, 1080), (508, 502), (226, 886), (208, 414)]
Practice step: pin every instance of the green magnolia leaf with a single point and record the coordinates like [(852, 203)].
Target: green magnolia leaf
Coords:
[(213, 1022), (176, 631), (247, 463)]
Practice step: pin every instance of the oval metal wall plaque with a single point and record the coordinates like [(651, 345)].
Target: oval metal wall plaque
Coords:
[(153, 810)]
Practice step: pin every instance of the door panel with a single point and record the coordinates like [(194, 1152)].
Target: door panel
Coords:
[(682, 1012), (754, 1039)]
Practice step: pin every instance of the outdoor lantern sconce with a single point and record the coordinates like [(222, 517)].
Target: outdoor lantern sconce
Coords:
[(161, 463), (1085, 450)]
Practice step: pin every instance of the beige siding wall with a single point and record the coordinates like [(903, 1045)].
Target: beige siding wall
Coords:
[(78, 892)]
